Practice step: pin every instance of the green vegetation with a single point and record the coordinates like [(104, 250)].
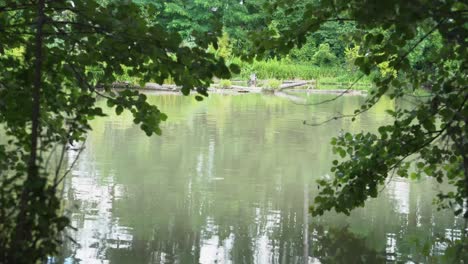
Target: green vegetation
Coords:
[(58, 57), (322, 56), (308, 63), (288, 70), (272, 84), (426, 140), (225, 84)]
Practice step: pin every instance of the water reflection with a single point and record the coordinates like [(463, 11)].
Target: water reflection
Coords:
[(97, 230), (339, 245), (230, 181)]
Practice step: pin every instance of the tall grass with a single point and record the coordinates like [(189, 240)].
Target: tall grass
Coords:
[(277, 69)]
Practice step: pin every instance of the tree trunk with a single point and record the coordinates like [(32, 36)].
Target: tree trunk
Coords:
[(23, 232)]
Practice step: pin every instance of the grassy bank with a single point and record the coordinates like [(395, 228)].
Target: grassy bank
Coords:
[(285, 70), (326, 77)]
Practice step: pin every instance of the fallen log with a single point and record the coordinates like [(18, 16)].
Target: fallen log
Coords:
[(296, 84)]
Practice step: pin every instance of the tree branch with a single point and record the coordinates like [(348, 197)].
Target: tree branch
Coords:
[(59, 180), (400, 60)]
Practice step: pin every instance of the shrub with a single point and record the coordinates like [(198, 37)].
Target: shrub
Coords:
[(304, 53), (224, 47), (350, 56), (169, 80), (324, 56), (225, 84), (272, 84)]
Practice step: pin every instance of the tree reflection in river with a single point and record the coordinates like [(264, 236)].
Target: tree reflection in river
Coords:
[(339, 245), (229, 182)]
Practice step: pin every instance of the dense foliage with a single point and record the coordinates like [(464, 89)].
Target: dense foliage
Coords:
[(197, 20), (240, 19)]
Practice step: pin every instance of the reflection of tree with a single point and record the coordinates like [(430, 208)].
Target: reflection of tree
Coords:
[(338, 245), (242, 251), (210, 186)]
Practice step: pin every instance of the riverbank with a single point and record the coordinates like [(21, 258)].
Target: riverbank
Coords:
[(309, 86)]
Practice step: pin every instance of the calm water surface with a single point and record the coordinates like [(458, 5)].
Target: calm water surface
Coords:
[(230, 181)]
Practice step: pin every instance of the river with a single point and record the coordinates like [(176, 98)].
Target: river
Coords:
[(230, 181)]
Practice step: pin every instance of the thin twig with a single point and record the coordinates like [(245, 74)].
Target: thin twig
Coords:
[(338, 96), (90, 87), (50, 156), (60, 162), (80, 150)]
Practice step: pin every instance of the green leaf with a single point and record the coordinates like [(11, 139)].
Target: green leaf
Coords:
[(118, 109)]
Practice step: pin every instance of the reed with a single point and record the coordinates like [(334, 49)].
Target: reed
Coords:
[(277, 69)]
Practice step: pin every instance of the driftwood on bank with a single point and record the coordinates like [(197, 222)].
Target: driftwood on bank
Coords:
[(238, 89), (148, 86), (294, 84)]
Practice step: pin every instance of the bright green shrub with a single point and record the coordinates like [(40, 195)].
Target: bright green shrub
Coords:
[(272, 84), (169, 80), (350, 56), (224, 49), (324, 56), (305, 53), (225, 84)]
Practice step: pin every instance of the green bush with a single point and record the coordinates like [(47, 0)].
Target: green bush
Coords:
[(169, 80), (224, 47), (305, 53), (351, 55), (324, 56), (225, 84), (272, 84)]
